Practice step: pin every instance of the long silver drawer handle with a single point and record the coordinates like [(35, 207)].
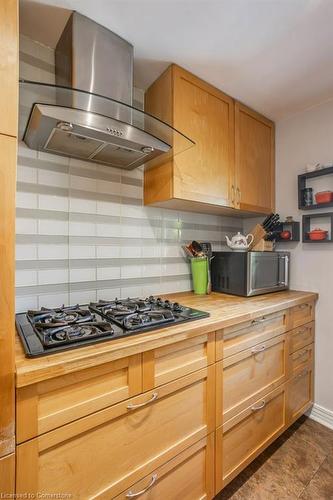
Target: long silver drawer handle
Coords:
[(133, 407), (130, 494), (259, 407), (255, 350), (257, 321)]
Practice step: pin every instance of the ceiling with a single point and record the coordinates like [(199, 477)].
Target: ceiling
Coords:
[(274, 55)]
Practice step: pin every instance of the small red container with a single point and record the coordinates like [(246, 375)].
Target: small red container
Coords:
[(318, 235), (324, 197)]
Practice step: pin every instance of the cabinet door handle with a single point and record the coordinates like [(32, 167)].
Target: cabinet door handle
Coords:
[(133, 407), (303, 306), (233, 195), (260, 348), (130, 494), (239, 196), (259, 406), (259, 320)]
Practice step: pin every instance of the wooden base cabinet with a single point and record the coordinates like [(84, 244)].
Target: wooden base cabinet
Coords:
[(101, 455), (300, 393), (250, 374), (244, 436), (189, 476)]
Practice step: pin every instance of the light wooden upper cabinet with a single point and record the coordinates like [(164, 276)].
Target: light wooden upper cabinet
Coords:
[(231, 165), (8, 67), (254, 160), (202, 173)]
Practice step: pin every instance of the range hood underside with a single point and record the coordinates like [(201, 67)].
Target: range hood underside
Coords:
[(88, 136)]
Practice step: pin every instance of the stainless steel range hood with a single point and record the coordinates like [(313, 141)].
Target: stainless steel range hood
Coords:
[(88, 114)]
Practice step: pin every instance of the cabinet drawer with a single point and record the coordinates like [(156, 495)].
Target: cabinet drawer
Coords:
[(237, 338), (243, 437), (189, 476), (52, 403), (103, 454), (301, 358), (301, 314), (300, 337), (167, 363), (250, 374), (300, 393)]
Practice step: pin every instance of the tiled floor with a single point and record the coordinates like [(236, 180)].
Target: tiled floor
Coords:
[(298, 465)]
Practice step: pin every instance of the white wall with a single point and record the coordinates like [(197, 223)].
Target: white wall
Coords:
[(304, 138)]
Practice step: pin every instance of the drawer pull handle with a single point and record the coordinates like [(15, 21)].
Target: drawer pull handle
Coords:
[(259, 406), (304, 330), (255, 350), (133, 407), (301, 354), (258, 321), (130, 494), (303, 306), (302, 374)]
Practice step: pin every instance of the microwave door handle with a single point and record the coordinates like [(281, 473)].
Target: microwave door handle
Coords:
[(285, 258)]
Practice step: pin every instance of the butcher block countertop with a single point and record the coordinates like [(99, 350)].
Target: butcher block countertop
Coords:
[(225, 310)]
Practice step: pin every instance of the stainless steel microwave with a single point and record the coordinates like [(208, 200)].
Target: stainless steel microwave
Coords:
[(250, 273)]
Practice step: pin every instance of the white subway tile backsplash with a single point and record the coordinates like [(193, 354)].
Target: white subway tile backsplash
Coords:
[(50, 202), (107, 251), (82, 297), (108, 273), (131, 252), (55, 179), (82, 228), (26, 226), (53, 227), (26, 252), (77, 275), (46, 251), (26, 174), (53, 299), (108, 208), (51, 276), (82, 205), (82, 251), (131, 271), (24, 303), (26, 200), (108, 293), (26, 277)]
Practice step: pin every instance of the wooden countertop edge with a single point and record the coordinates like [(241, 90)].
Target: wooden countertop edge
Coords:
[(33, 370)]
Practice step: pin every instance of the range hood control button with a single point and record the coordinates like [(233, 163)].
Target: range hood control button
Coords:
[(114, 131), (147, 149), (66, 126)]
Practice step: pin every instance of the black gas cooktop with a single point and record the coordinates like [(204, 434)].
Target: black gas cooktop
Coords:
[(52, 330)]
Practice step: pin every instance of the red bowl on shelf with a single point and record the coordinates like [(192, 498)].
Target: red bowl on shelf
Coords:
[(317, 235), (324, 197)]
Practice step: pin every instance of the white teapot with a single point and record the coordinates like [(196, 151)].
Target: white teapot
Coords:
[(239, 242)]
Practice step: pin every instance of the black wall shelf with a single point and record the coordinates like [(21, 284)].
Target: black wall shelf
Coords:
[(293, 227), (302, 185), (306, 227)]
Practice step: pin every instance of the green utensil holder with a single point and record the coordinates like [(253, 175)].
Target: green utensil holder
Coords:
[(199, 268)]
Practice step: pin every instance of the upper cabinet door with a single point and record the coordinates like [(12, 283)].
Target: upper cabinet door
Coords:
[(254, 161), (8, 66), (203, 173)]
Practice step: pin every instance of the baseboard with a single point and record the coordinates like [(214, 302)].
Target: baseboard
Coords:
[(321, 415)]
